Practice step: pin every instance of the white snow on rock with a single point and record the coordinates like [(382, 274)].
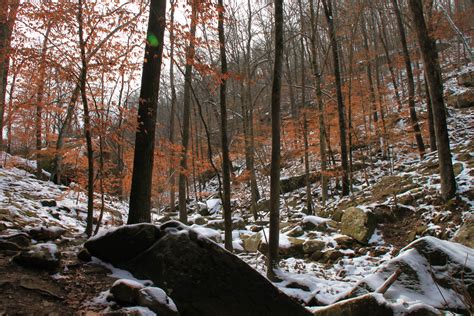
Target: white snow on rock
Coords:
[(155, 294)]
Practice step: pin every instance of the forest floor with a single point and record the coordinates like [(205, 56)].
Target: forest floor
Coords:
[(402, 193)]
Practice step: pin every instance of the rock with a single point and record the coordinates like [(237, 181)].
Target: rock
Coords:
[(84, 255), (312, 245), (125, 291), (8, 246), (46, 233), (296, 231), (200, 276), (466, 79), (156, 300), (49, 203), (20, 239), (237, 224), (465, 234), (128, 311), (358, 224), (251, 244), (427, 263), (122, 244), (344, 242), (371, 304), (315, 223), (383, 214), (200, 220), (458, 168), (40, 256), (331, 256), (464, 99)]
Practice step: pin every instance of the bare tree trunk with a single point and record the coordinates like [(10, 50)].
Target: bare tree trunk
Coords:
[(173, 110), (327, 4), (429, 108), (319, 100), (183, 214), (87, 126), (273, 243), (224, 143), (140, 195), (435, 85), (39, 102), (411, 83), (7, 20), (309, 199)]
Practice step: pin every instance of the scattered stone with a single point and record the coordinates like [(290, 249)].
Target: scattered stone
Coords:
[(344, 242), (200, 276), (464, 99), (252, 243), (49, 203), (20, 239), (40, 256), (458, 168), (466, 79), (8, 246), (297, 231), (465, 234), (46, 233), (156, 300), (125, 291), (84, 255), (370, 304), (200, 220), (427, 263), (312, 245), (332, 256), (358, 224)]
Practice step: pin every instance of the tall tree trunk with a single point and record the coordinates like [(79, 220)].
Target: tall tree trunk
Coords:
[(275, 163), (224, 143), (87, 125), (327, 4), (173, 110), (429, 108), (319, 100), (7, 20), (183, 214), (140, 195), (411, 82), (39, 101), (435, 85), (309, 199)]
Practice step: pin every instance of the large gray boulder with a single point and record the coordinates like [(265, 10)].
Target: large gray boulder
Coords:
[(201, 277), (435, 272), (358, 224), (372, 304), (40, 256)]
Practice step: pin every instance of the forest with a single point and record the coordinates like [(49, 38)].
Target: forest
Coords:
[(236, 157)]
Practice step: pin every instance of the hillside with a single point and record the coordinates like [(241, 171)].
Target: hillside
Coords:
[(350, 248)]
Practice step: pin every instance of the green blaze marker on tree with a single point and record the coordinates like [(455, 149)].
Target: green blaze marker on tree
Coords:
[(152, 40)]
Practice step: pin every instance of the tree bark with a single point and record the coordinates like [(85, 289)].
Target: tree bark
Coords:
[(39, 102), (319, 100), (224, 142), (411, 82), (87, 124), (327, 4), (173, 110), (7, 20), (433, 73), (276, 127), (183, 214), (140, 195)]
